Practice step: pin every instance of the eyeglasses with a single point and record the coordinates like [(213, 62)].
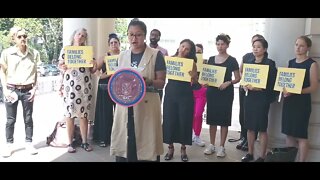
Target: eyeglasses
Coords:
[(24, 36), (135, 35)]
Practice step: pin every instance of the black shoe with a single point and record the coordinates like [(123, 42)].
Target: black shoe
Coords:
[(245, 146), (260, 159), (102, 144), (184, 156), (244, 141), (247, 158), (170, 153), (86, 147)]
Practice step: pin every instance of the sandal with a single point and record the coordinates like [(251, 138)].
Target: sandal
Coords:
[(170, 153), (86, 147), (184, 156), (71, 149)]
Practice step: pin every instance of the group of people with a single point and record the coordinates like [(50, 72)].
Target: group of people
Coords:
[(137, 133), (296, 110)]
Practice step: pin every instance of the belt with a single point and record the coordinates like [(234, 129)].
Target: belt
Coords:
[(20, 87)]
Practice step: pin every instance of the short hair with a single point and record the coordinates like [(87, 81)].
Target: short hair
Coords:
[(157, 31), (137, 22), (224, 37), (200, 46), (14, 31)]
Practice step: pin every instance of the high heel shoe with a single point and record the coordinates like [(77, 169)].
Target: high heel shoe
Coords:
[(184, 156), (169, 154)]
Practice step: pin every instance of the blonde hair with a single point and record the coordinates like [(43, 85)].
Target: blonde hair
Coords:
[(77, 31)]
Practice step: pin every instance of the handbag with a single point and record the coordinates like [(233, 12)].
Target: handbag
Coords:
[(284, 154), (59, 136)]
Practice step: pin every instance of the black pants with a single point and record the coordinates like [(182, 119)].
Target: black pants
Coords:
[(11, 109), (1, 94), (132, 148)]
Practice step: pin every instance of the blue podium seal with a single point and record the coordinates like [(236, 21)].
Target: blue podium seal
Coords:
[(126, 87)]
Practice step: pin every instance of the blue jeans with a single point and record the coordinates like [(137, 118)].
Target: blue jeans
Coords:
[(11, 109)]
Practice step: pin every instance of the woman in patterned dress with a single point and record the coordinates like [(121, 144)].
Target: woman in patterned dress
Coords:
[(77, 92)]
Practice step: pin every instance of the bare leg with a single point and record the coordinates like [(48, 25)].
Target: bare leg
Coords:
[(303, 149), (224, 133), (263, 136), (213, 131), (84, 134), (291, 141), (251, 138), (70, 129), (84, 129)]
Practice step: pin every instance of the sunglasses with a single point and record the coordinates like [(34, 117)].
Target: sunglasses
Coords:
[(24, 36)]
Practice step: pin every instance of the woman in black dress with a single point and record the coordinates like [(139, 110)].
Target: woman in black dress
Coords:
[(257, 103), (220, 99), (178, 105), (243, 145), (297, 107), (105, 106)]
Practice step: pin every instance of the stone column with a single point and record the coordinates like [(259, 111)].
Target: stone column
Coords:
[(312, 30), (98, 30), (281, 34)]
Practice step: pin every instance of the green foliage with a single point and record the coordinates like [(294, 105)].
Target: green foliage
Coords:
[(4, 31), (44, 34), (121, 25), (51, 37)]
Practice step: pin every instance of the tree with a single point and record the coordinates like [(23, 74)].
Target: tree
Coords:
[(4, 31), (51, 37), (121, 25), (44, 34)]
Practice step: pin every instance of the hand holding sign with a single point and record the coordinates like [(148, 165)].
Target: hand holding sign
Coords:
[(212, 75), (78, 56), (255, 75), (288, 81), (286, 93), (179, 68)]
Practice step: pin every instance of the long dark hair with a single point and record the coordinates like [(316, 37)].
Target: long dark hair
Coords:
[(192, 53)]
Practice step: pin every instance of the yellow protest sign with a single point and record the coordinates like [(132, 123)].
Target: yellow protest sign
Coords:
[(255, 74), (111, 64), (178, 68), (212, 75), (289, 78), (79, 56), (199, 60)]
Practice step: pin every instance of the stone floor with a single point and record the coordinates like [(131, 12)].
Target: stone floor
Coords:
[(48, 110)]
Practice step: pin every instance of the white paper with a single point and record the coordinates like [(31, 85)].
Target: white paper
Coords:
[(12, 97)]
